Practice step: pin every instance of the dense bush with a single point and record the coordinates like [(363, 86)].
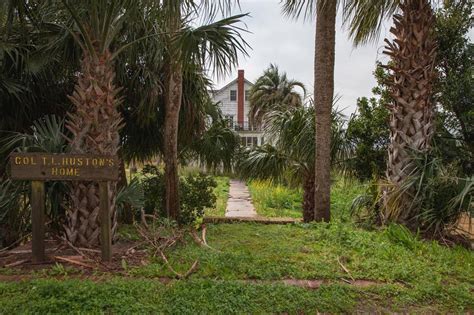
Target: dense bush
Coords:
[(196, 194), (436, 197)]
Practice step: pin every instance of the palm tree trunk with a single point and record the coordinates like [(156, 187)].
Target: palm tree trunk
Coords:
[(95, 126), (308, 198), (173, 105), (411, 80), (323, 97)]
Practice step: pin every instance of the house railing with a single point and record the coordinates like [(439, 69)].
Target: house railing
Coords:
[(245, 126)]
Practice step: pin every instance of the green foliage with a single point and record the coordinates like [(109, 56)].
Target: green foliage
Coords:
[(368, 132), (272, 199), (46, 135), (273, 91), (438, 197), (222, 194), (131, 195), (196, 194), (218, 145), (275, 200), (455, 121)]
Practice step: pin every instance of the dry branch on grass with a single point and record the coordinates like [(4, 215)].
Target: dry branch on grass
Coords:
[(160, 238)]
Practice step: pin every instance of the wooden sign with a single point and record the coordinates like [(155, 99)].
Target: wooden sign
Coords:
[(63, 167), (41, 167)]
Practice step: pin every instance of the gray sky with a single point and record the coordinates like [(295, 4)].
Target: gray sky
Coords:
[(290, 45)]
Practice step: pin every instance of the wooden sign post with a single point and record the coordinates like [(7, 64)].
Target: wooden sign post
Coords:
[(41, 167)]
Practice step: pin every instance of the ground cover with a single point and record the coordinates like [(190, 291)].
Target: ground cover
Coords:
[(222, 194), (274, 200), (242, 273)]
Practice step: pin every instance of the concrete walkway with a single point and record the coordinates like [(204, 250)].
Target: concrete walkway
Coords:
[(239, 203)]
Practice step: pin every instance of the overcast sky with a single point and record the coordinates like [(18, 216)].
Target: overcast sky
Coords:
[(290, 45)]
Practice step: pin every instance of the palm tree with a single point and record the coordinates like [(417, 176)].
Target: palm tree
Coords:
[(95, 121), (324, 59), (411, 79), (215, 44), (291, 155), (273, 91)]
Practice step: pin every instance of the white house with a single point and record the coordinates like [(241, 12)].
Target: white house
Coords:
[(233, 101)]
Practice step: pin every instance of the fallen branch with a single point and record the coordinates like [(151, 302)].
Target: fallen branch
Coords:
[(178, 275), (345, 269), (17, 263), (72, 261)]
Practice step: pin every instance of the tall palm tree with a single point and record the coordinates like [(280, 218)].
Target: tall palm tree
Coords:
[(324, 59), (214, 44), (95, 121), (273, 90), (411, 80)]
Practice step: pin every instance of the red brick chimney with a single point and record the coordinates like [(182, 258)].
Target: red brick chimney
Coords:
[(240, 97)]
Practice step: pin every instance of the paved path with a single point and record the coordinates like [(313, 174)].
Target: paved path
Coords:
[(239, 203)]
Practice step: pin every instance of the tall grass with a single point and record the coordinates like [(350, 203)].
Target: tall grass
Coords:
[(275, 200)]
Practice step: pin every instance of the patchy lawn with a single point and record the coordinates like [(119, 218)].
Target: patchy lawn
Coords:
[(243, 273)]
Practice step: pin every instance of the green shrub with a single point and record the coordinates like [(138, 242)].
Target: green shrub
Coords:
[(196, 194)]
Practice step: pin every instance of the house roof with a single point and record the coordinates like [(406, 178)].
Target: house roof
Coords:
[(229, 84)]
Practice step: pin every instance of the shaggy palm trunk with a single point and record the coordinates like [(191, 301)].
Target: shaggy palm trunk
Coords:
[(308, 198), (173, 105), (94, 124), (412, 75), (323, 98)]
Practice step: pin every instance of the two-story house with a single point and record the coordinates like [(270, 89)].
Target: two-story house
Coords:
[(233, 100)]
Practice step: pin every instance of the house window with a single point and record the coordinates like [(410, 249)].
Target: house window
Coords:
[(247, 95), (233, 95), (249, 141)]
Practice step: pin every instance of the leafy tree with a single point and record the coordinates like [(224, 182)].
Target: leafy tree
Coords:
[(368, 133), (455, 123), (273, 91), (215, 44)]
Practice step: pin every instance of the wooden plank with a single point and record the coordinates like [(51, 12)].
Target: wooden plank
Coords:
[(37, 220), (105, 222), (63, 167), (259, 220)]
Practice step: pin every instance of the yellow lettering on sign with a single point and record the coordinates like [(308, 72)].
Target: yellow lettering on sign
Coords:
[(17, 160), (44, 160), (79, 162), (111, 162), (94, 162), (54, 171), (101, 162)]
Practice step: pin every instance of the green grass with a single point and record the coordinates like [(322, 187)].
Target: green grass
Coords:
[(125, 296), (413, 275), (222, 194), (274, 200)]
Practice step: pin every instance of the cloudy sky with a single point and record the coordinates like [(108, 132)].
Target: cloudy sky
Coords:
[(290, 45)]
